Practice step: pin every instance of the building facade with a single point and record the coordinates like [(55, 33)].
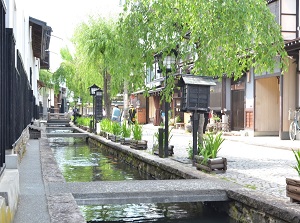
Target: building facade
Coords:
[(23, 52)]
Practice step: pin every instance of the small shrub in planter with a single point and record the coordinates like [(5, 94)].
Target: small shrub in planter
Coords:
[(116, 131), (83, 121), (137, 142), (105, 126), (207, 159), (126, 130), (137, 131), (125, 133), (293, 183)]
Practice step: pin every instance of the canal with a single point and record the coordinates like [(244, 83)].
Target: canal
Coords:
[(81, 162)]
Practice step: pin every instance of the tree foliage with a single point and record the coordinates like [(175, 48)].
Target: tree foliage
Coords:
[(95, 44), (46, 78), (221, 37), (76, 74)]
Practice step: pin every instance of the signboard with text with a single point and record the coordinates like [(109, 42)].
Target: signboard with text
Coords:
[(98, 107)]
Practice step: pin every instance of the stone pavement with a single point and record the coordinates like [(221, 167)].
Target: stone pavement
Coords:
[(32, 206), (258, 163)]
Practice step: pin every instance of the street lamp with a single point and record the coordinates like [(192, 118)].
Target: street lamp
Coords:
[(168, 62), (93, 90)]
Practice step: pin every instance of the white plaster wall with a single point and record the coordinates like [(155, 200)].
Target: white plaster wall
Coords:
[(250, 89), (17, 19)]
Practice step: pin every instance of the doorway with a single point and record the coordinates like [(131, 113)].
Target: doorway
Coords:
[(237, 104)]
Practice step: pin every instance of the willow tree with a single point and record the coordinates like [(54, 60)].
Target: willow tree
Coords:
[(75, 74), (95, 43), (220, 37)]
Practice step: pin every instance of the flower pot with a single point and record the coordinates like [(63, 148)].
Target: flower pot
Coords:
[(114, 138), (125, 141), (215, 165), (138, 144), (102, 133), (293, 189)]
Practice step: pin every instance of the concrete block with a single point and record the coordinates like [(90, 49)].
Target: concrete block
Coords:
[(10, 189), (11, 161), (5, 214)]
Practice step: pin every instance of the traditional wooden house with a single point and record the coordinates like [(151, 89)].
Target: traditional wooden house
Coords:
[(269, 96), (259, 104)]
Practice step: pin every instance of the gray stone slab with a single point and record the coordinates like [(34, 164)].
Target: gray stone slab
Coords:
[(59, 128), (74, 135), (32, 191), (145, 191), (63, 209)]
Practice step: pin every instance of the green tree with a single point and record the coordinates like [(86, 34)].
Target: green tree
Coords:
[(46, 78), (76, 74), (221, 37), (95, 43)]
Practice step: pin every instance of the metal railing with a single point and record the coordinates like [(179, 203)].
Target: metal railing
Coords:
[(17, 103)]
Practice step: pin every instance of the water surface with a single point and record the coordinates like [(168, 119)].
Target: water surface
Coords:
[(169, 213), (80, 162)]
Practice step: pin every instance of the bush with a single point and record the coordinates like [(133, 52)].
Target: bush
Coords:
[(297, 156), (136, 131), (211, 146), (84, 121), (106, 125), (190, 151), (126, 131), (116, 128)]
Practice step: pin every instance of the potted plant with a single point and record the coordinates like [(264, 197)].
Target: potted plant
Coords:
[(208, 159), (125, 134), (293, 184), (83, 123), (105, 126), (137, 142), (116, 132)]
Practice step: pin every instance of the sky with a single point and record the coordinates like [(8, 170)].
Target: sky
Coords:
[(63, 16)]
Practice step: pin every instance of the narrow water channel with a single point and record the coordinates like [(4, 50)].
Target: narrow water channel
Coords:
[(169, 212), (80, 162)]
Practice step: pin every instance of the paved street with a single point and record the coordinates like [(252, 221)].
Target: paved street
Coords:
[(258, 163)]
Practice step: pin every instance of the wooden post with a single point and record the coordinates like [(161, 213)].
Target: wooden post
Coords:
[(195, 128), (160, 142)]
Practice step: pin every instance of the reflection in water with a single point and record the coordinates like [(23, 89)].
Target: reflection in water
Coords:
[(171, 212), (80, 162)]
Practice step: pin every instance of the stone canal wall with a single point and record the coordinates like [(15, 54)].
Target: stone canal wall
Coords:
[(245, 205), (154, 168)]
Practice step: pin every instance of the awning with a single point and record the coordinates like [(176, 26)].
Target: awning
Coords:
[(292, 47), (196, 80), (138, 92), (156, 90), (41, 34)]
